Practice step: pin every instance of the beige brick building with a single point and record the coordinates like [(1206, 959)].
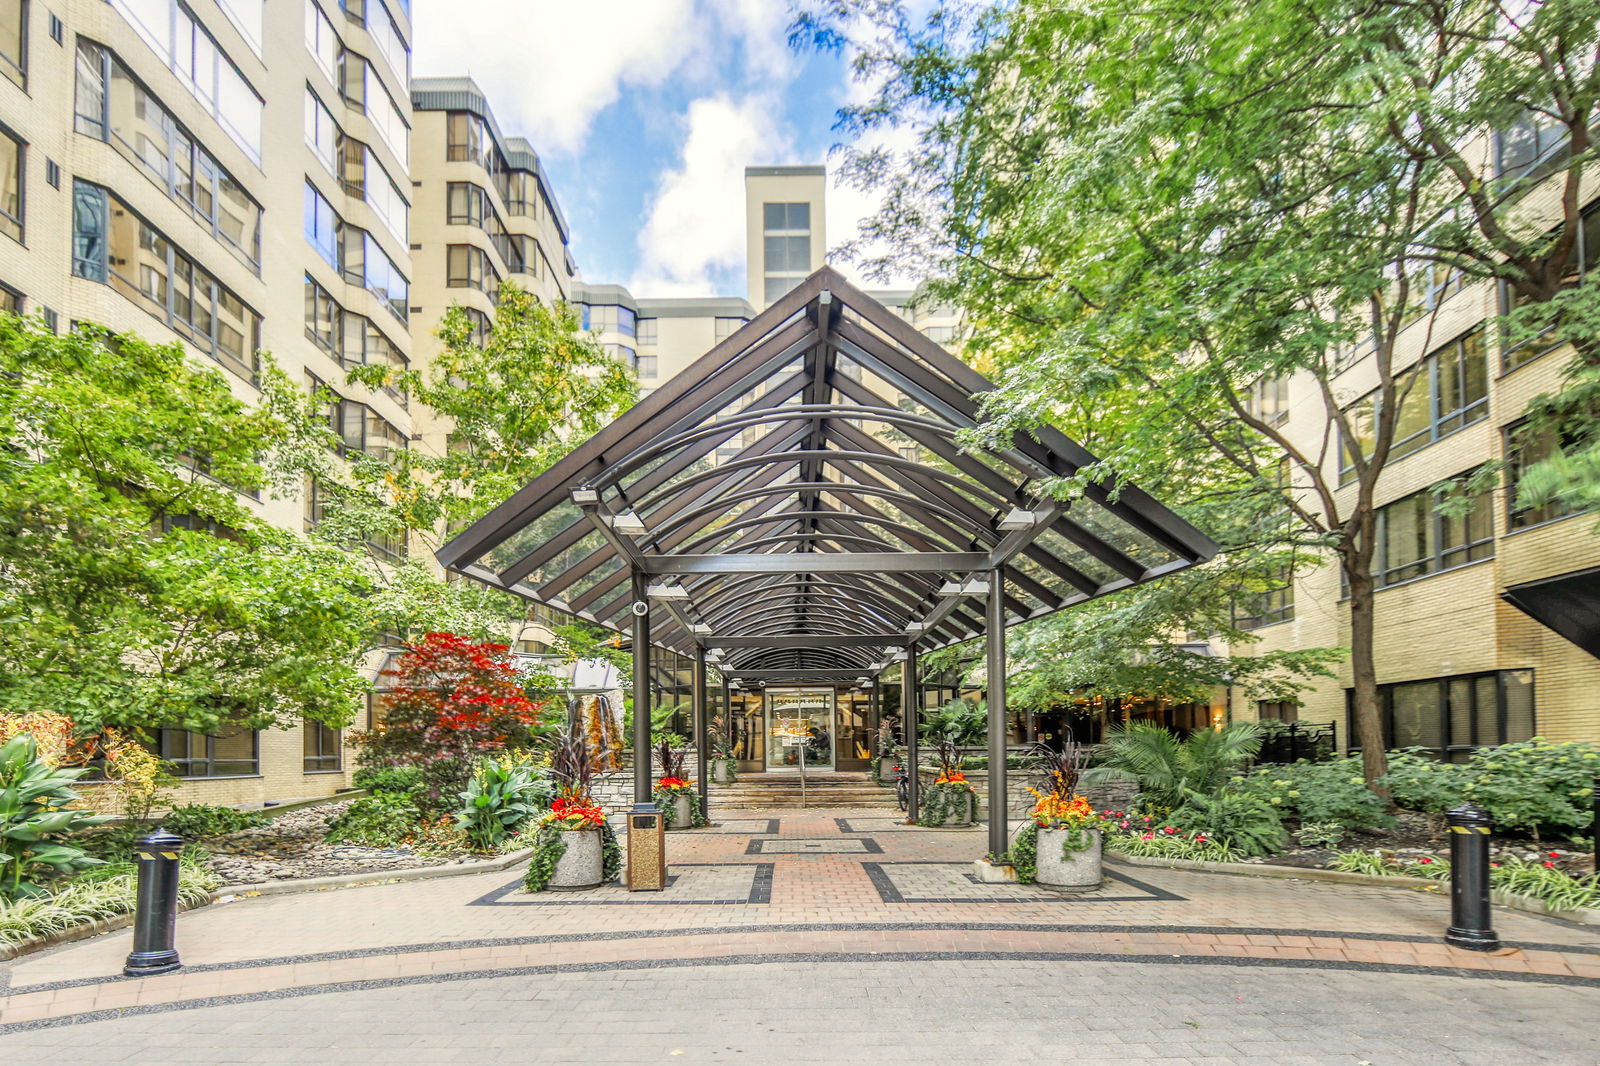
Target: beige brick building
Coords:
[(1458, 665)]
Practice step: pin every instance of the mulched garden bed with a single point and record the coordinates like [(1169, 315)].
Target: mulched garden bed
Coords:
[(291, 847)]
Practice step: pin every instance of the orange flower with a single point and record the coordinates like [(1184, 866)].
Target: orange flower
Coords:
[(954, 777), (1054, 811), (674, 784)]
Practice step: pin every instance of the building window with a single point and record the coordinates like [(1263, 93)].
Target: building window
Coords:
[(1531, 147), (10, 300), (112, 106), (12, 156), (1254, 610), (648, 365), (14, 41), (1414, 539), (1525, 448), (1267, 398), (785, 247), (362, 430), (649, 331), (353, 252), (386, 35), (1450, 716), (468, 267), (481, 326), (321, 226), (623, 354), (1445, 392), (201, 64), (610, 318), (234, 752), (1277, 711), (324, 747), (1585, 255), (468, 139), (726, 327), (322, 133), (246, 17), (522, 194), (113, 245), (321, 41)]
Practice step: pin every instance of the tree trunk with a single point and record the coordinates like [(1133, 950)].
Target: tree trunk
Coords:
[(1363, 670)]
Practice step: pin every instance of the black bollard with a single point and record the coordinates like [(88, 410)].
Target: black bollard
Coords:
[(155, 917), (1470, 926)]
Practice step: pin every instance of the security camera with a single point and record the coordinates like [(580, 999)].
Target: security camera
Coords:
[(641, 607)]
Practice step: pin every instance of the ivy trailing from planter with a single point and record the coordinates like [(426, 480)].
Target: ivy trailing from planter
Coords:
[(665, 797), (942, 801), (730, 763), (878, 766), (550, 843), (1024, 854)]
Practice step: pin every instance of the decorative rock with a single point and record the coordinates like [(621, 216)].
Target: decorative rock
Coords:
[(993, 873)]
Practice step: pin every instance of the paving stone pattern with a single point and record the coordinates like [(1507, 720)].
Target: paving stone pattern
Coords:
[(797, 942)]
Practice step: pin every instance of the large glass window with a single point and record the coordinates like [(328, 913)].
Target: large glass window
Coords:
[(469, 267), (321, 41), (1530, 147), (321, 226), (386, 35), (469, 140), (1414, 539), (1254, 610), (322, 132), (385, 115), (1445, 392), (1527, 446), (11, 169), (14, 41), (111, 106), (113, 245), (204, 68), (324, 747), (233, 752), (1450, 716), (1583, 258), (353, 252), (353, 339), (1267, 397), (246, 15), (723, 328)]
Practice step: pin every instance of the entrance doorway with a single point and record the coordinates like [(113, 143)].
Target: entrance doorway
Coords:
[(800, 725)]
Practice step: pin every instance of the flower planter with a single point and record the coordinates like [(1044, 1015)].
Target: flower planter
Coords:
[(722, 771), (682, 811), (1071, 871), (948, 807), (582, 864), (883, 771)]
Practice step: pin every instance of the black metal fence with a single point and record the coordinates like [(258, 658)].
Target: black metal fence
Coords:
[(1291, 741)]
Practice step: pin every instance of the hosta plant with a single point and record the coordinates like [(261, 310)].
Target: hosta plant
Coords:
[(498, 801), (35, 811)]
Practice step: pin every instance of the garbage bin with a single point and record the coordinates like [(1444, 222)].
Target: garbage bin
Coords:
[(647, 851)]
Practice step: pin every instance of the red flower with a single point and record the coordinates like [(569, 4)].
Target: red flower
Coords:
[(1550, 865), (1425, 859), (1148, 836), (1555, 855), (1170, 830)]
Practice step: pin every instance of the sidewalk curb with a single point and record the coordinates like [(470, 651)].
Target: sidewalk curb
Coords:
[(374, 877), (1347, 877), (233, 893)]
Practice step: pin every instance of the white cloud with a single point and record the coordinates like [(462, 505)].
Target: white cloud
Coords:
[(692, 241), (550, 66)]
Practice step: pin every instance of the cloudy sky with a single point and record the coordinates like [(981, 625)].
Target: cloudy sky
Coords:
[(646, 113)]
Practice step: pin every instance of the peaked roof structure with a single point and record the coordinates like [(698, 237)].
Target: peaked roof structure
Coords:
[(799, 500)]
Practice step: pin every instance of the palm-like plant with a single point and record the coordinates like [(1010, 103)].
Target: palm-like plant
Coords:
[(1168, 770), (34, 812), (956, 725)]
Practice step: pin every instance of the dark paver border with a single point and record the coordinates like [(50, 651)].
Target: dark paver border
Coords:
[(757, 846), (760, 892), (625, 965), (889, 893)]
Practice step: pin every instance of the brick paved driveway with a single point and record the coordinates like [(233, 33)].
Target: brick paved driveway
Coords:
[(833, 936)]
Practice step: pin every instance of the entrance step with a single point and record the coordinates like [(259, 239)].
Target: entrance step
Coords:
[(758, 791)]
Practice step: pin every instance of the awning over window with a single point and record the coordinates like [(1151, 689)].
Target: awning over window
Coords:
[(804, 502), (1568, 604)]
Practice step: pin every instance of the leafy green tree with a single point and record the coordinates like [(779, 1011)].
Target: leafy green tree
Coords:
[(136, 586), (1161, 205)]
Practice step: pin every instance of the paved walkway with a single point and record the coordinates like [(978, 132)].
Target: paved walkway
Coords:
[(837, 936)]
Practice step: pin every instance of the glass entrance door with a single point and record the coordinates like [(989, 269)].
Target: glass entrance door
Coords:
[(800, 725), (852, 750)]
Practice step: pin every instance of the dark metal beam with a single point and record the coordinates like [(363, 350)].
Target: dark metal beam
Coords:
[(818, 563), (807, 640)]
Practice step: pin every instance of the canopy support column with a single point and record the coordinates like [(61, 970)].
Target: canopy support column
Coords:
[(911, 722), (999, 811), (643, 794), (702, 739)]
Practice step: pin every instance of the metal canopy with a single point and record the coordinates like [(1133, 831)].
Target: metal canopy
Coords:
[(1567, 603), (799, 500)]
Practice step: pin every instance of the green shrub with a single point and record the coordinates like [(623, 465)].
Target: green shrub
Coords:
[(34, 810), (499, 800), (377, 821), (1319, 834), (1245, 823), (1333, 790), (1156, 843), (200, 820), (401, 780), (1535, 785), (1547, 884), (101, 892), (1419, 782)]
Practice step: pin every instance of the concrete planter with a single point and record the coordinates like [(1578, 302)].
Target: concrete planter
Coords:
[(1074, 871), (722, 771), (885, 770), (582, 865), (682, 811), (957, 818)]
